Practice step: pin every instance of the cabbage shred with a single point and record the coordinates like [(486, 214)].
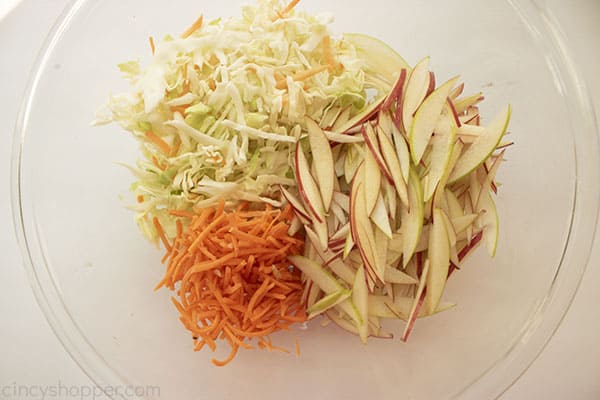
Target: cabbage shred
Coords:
[(229, 103)]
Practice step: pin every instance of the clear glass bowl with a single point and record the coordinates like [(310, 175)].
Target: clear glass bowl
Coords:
[(93, 273)]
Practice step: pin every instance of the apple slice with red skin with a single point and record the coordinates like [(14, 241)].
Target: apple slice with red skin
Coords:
[(402, 152), (342, 119), (415, 92), (455, 92), (360, 295), (441, 153), (439, 259), (372, 181), (412, 220), (393, 165), (363, 116), (373, 146), (461, 105), (482, 147), (419, 299), (396, 92), (321, 151), (309, 191), (426, 118), (296, 205)]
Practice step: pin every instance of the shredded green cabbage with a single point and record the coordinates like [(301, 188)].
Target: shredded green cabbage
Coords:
[(228, 103)]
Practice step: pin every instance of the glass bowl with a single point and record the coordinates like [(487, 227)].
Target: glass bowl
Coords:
[(93, 273)]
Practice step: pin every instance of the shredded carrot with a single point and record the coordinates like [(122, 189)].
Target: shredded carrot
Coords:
[(160, 143), (232, 274), (175, 147), (297, 347), (161, 234), (152, 47), (302, 75), (140, 198), (327, 55), (281, 14), (157, 164), (193, 28), (212, 84)]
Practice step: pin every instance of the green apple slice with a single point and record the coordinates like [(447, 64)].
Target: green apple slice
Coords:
[(417, 303), (412, 220), (402, 152), (482, 147), (378, 56), (327, 302), (441, 152), (360, 295), (426, 119), (439, 258), (461, 105), (416, 90), (393, 166), (489, 221), (372, 181), (323, 158), (336, 265)]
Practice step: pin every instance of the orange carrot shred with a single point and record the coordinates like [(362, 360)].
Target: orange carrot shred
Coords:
[(193, 28), (161, 234), (297, 347), (140, 198), (160, 143), (152, 47), (232, 271)]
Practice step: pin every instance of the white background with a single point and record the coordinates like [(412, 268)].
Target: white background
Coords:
[(30, 354)]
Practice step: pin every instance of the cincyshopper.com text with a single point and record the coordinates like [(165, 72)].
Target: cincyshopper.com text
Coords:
[(74, 392)]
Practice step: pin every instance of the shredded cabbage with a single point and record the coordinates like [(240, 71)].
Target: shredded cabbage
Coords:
[(230, 102)]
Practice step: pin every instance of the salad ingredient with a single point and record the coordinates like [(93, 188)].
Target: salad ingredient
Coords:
[(419, 191), (218, 110), (231, 278)]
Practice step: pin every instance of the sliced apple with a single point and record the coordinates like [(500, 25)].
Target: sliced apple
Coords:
[(380, 218), (441, 152), (402, 152), (335, 264), (439, 258), (342, 119), (461, 105), (426, 119), (457, 91), (322, 156), (396, 92), (372, 181), (360, 296), (482, 147), (342, 137), (309, 191), (394, 275), (352, 160), (416, 89), (412, 220), (489, 221), (373, 146), (463, 222), (393, 163), (378, 56), (369, 111), (296, 205), (418, 302), (329, 117), (327, 302)]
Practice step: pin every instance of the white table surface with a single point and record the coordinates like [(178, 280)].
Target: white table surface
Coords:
[(30, 354)]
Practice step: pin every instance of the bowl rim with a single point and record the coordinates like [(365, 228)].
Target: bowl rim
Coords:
[(535, 335)]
